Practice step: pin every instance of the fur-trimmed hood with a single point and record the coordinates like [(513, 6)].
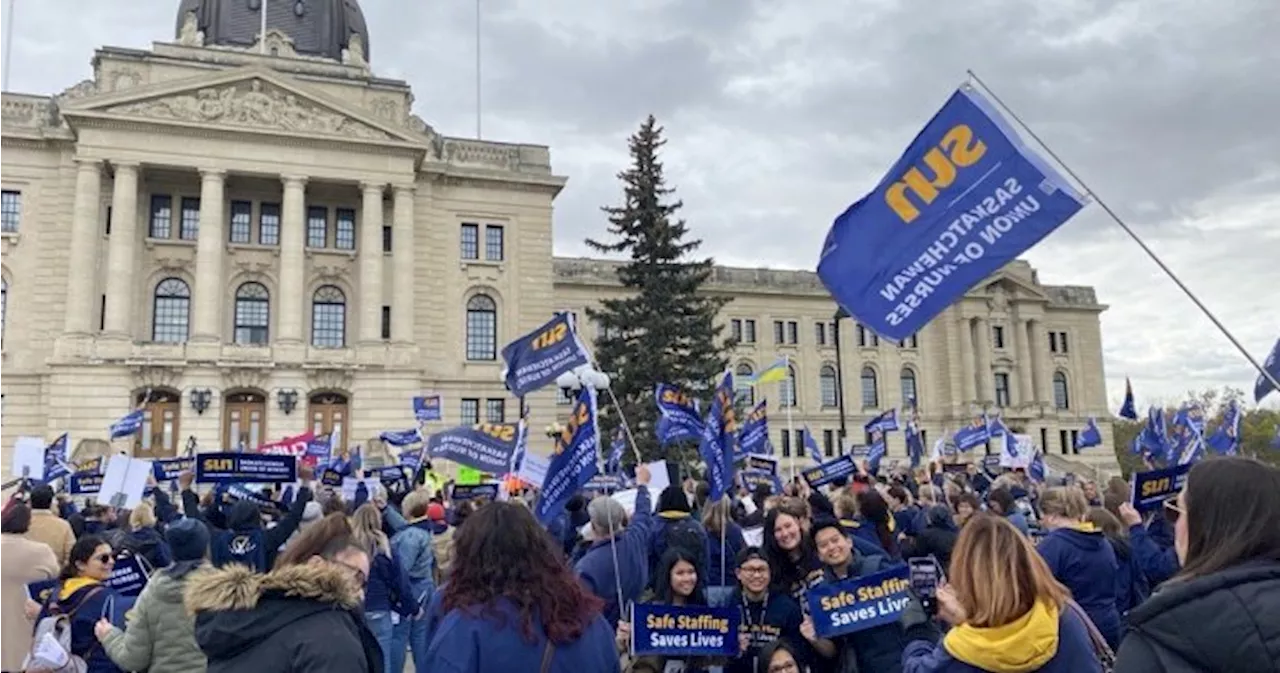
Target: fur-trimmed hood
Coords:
[(236, 587), (239, 614)]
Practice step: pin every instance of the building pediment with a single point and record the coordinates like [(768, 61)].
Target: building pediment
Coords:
[(1002, 287), (252, 99)]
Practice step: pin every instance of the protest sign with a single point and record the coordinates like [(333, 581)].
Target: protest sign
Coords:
[(28, 458), (488, 447), (859, 603), (830, 471), (464, 492), (84, 483), (168, 469), (671, 630), (1151, 489), (214, 468), (429, 407), (124, 482)]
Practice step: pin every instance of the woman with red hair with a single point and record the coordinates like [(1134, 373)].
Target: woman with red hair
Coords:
[(512, 604)]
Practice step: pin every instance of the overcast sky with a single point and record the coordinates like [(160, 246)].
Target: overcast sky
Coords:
[(781, 113)]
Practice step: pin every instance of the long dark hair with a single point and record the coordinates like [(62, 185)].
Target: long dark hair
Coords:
[(787, 573), (662, 583), (765, 658), (1229, 501), (81, 552), (876, 511), (17, 520), (501, 552)]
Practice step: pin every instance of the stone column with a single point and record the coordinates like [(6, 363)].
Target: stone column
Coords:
[(954, 381), (83, 249), (1026, 388), (371, 263), (292, 260), (207, 299), (1039, 344), (402, 260), (982, 346), (967, 388), (121, 251)]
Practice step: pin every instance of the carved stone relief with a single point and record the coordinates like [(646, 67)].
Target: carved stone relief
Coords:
[(120, 79), (245, 377), (149, 376), (191, 35), (252, 104), (329, 379), (354, 53)]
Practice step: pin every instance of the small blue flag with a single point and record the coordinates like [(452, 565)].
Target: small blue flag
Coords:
[(128, 425), (1126, 409), (1262, 387), (1090, 436), (811, 445)]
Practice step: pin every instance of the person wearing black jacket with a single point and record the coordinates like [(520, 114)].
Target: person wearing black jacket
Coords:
[(244, 540), (937, 538), (1220, 612)]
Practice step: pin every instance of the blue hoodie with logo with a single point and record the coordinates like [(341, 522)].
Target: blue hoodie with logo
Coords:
[(1082, 559)]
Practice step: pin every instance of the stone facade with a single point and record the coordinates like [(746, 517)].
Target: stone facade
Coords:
[(255, 245), (992, 349)]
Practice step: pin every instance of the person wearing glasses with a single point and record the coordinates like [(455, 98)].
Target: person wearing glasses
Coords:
[(779, 657), (1221, 611), (769, 615), (304, 615), (83, 595)]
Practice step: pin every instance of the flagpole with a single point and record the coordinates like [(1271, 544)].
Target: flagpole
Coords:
[(8, 43), (478, 70), (1132, 234), (262, 30), (791, 399)]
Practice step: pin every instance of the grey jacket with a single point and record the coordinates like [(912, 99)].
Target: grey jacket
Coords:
[(160, 635)]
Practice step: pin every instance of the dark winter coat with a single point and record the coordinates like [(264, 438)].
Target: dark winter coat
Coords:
[(1226, 622), (86, 601), (296, 619), (1083, 560), (596, 566), (148, 543), (244, 519)]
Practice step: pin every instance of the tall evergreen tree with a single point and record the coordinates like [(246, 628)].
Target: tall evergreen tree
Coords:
[(664, 331)]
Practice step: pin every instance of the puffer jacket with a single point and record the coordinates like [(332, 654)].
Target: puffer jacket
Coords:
[(160, 637), (1225, 622)]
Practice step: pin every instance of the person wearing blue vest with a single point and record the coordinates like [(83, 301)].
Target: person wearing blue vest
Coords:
[(244, 540)]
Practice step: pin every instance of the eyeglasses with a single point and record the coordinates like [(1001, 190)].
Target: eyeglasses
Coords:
[(783, 667), (105, 558), (755, 570), (1172, 505)]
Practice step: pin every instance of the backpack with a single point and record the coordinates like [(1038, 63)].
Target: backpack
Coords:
[(688, 535), (51, 645), (248, 548)]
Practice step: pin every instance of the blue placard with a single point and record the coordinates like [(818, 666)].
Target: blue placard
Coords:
[(239, 468), (486, 491), (671, 630), (604, 482), (428, 408), (128, 578), (168, 469), (331, 477), (1151, 489), (751, 478), (84, 483), (830, 471), (966, 198), (537, 358), (762, 464), (859, 603), (488, 447), (389, 473)]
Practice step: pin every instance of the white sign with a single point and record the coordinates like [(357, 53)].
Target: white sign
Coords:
[(127, 476), (1026, 451), (28, 457), (533, 469)]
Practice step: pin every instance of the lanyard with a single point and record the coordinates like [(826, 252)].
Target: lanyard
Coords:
[(746, 611)]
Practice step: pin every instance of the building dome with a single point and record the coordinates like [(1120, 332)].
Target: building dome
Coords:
[(324, 28)]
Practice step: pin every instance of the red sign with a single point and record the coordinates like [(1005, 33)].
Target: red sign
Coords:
[(295, 446)]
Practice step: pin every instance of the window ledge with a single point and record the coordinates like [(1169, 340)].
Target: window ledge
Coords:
[(499, 265), (152, 243), (233, 248), (337, 252)]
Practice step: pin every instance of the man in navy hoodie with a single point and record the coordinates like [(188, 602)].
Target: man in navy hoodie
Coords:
[(609, 527)]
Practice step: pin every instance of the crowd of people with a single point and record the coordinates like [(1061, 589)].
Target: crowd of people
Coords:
[(1053, 578)]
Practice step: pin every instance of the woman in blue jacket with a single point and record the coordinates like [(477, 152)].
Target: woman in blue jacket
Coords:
[(1080, 557), (388, 598), (512, 603), (721, 559), (1007, 612), (82, 594)]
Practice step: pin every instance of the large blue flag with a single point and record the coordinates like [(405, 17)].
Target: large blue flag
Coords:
[(537, 358), (1090, 436), (885, 422), (1127, 409), (679, 419), (1262, 387), (55, 459), (966, 198), (875, 452), (976, 432), (129, 424), (717, 439), (1226, 438), (753, 438), (401, 437), (574, 459), (489, 447)]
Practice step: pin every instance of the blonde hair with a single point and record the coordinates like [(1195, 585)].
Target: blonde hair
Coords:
[(366, 529), (415, 501), (1067, 502), (142, 516), (998, 575), (845, 505), (715, 516)]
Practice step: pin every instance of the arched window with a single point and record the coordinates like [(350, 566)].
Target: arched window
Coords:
[(159, 435), (328, 412), (482, 328), (870, 397), (4, 305), (1061, 395), (244, 420), (742, 384), (827, 386), (789, 388), (253, 314), (329, 318), (910, 398), (171, 311)]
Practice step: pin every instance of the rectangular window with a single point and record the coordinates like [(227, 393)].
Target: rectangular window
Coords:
[(470, 411), (1075, 437), (778, 327), (800, 450), (1044, 438), (189, 226), (1062, 442), (241, 222), (735, 329), (493, 243), (161, 216), (997, 335), (1062, 342), (344, 237), (386, 322), (108, 220), (269, 224), (317, 226), (495, 410), (793, 332), (909, 342), (749, 332), (828, 443), (10, 210), (386, 238), (867, 338), (820, 333), (102, 313), (786, 444), (470, 240), (1002, 389)]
